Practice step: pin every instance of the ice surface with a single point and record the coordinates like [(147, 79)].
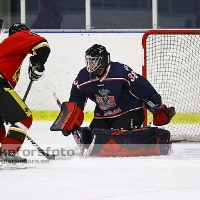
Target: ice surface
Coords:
[(175, 176)]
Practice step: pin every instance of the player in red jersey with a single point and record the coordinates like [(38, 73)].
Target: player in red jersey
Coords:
[(13, 50)]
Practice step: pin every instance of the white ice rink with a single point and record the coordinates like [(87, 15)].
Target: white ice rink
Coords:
[(175, 176)]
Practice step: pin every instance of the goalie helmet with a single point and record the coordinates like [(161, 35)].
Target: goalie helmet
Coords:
[(2, 28), (97, 59), (17, 27)]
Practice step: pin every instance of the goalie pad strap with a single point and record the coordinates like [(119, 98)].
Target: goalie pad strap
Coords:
[(69, 117)]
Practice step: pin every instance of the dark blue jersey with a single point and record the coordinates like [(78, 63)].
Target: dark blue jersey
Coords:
[(120, 90)]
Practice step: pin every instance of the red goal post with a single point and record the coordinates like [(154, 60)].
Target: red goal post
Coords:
[(171, 63)]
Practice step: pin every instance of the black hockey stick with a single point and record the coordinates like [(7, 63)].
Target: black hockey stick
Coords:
[(27, 90), (48, 156), (84, 151)]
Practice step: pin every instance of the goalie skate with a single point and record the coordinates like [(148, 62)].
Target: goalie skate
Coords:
[(88, 151)]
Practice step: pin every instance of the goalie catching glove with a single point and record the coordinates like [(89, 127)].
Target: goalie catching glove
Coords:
[(161, 114), (35, 70), (70, 117)]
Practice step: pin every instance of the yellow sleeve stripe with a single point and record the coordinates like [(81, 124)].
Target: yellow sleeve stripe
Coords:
[(1, 76), (17, 130), (42, 44)]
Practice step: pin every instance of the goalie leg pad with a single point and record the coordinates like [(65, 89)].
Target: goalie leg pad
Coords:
[(138, 142), (69, 117)]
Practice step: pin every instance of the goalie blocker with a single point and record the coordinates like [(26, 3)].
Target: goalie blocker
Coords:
[(69, 118), (138, 142)]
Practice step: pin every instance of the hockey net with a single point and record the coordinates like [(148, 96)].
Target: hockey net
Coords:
[(172, 65)]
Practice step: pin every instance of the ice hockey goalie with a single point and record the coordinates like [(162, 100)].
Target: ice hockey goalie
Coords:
[(113, 142)]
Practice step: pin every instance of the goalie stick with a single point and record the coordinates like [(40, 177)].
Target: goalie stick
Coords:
[(84, 151)]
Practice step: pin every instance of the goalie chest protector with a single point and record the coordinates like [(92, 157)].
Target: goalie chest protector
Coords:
[(138, 142)]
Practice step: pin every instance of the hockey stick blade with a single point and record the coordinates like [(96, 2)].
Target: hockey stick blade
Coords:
[(48, 156)]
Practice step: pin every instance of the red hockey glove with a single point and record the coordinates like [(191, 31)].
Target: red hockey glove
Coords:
[(161, 114)]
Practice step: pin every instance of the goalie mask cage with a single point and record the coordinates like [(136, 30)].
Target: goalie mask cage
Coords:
[(172, 65)]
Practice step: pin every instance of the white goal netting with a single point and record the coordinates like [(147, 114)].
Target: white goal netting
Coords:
[(172, 65)]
